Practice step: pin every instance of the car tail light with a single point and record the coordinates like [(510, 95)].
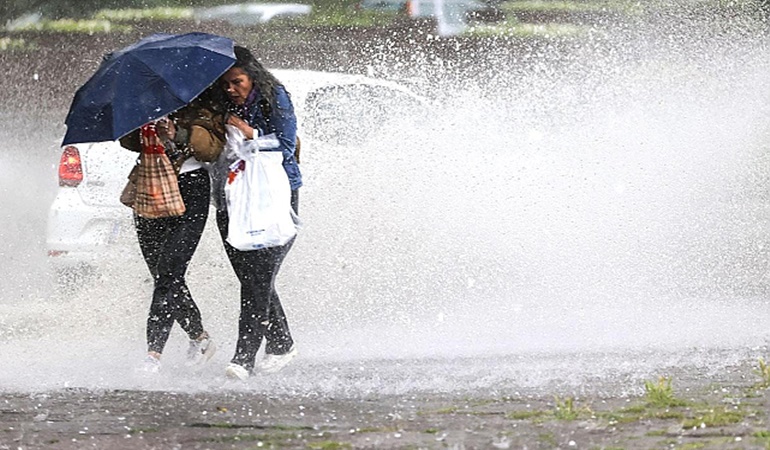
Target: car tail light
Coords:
[(70, 167)]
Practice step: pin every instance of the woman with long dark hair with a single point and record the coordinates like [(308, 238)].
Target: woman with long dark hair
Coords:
[(258, 105)]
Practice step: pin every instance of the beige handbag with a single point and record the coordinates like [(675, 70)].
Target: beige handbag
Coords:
[(128, 195)]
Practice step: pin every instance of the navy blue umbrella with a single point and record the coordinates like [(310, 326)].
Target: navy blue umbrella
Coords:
[(145, 81)]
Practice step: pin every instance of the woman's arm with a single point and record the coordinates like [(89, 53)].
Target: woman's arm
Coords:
[(283, 121)]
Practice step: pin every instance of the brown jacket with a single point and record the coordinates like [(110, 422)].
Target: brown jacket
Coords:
[(205, 129), (200, 133)]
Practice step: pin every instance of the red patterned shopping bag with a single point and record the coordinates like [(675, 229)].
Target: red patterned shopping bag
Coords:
[(157, 187)]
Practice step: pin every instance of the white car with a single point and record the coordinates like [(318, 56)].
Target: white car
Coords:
[(86, 221)]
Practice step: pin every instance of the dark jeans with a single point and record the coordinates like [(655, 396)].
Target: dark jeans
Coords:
[(262, 315), (168, 245)]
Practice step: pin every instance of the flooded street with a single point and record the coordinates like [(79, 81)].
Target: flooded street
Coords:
[(565, 230)]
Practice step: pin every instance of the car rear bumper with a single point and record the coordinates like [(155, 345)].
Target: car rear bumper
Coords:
[(80, 234)]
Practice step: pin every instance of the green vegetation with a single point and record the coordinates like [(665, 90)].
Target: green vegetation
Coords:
[(7, 43), (763, 437), (548, 439), (345, 14), (525, 19), (512, 28), (660, 403), (266, 440), (447, 410), (82, 9), (91, 26), (329, 445), (525, 415), (764, 373), (637, 413), (656, 433), (235, 426), (377, 430), (661, 394), (567, 410), (692, 446), (566, 6), (715, 417), (129, 15)]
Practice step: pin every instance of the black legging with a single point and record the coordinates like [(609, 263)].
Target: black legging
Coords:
[(262, 315), (168, 245)]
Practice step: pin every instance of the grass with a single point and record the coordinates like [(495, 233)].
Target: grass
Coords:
[(10, 44), (363, 430), (567, 409), (764, 373), (763, 437), (564, 409), (91, 26), (330, 13), (548, 439), (661, 394), (236, 426), (268, 440), (329, 445), (715, 417), (565, 6), (346, 13), (447, 410), (639, 412), (530, 30), (130, 15), (341, 16), (525, 415)]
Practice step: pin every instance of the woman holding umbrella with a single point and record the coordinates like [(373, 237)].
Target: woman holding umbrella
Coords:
[(141, 84), (168, 243), (258, 104)]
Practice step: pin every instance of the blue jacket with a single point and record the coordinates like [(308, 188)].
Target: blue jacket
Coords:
[(283, 123)]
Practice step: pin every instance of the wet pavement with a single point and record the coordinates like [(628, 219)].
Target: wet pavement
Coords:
[(709, 407)]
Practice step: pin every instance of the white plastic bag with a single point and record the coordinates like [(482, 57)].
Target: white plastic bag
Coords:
[(258, 194)]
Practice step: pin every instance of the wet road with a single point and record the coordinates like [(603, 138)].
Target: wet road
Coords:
[(513, 402)]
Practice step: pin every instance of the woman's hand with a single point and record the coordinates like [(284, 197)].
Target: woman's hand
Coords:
[(166, 129), (237, 122)]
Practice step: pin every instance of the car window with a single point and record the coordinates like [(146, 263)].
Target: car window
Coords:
[(351, 113)]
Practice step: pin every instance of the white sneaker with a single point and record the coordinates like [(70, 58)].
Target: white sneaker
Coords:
[(150, 364), (236, 372), (200, 352), (274, 363)]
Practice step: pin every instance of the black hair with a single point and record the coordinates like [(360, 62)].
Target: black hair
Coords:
[(260, 77), (212, 98)]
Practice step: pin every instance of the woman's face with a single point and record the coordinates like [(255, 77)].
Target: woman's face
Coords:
[(237, 85)]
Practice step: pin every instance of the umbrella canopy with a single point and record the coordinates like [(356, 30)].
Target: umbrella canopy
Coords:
[(145, 81)]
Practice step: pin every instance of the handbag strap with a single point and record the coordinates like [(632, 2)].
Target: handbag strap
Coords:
[(150, 141)]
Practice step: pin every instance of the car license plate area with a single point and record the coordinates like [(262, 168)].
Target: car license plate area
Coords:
[(121, 233)]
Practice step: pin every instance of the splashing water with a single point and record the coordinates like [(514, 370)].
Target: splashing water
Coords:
[(612, 200)]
